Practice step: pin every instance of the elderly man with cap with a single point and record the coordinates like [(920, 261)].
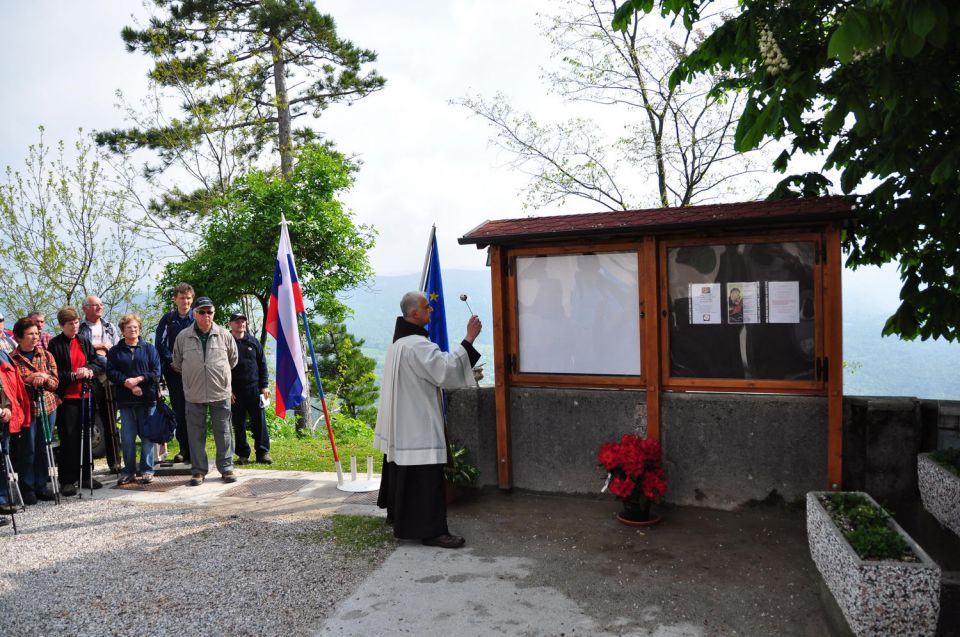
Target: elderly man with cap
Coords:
[(251, 383), (204, 355)]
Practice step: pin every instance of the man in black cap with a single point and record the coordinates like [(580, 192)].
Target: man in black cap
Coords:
[(204, 355), (250, 386)]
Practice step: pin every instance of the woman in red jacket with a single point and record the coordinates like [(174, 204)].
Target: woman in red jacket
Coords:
[(14, 416)]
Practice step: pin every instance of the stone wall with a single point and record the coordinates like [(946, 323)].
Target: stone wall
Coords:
[(721, 450)]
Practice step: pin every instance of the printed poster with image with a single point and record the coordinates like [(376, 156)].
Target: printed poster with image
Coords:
[(743, 302), (705, 307)]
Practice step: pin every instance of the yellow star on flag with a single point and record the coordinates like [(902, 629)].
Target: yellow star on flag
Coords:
[(434, 296)]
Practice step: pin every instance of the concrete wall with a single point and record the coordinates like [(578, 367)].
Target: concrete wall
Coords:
[(720, 450), (726, 450)]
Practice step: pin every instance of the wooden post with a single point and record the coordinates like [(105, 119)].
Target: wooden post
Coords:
[(833, 350), (650, 332), (498, 287)]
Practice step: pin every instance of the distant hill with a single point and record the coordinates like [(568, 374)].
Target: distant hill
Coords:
[(882, 366)]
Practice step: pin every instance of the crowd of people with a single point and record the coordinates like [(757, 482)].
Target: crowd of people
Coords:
[(53, 387)]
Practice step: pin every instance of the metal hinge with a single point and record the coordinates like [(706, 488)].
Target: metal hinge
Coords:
[(512, 363)]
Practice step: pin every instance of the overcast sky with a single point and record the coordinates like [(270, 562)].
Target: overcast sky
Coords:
[(424, 160)]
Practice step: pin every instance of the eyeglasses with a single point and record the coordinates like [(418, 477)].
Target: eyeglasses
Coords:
[(204, 311)]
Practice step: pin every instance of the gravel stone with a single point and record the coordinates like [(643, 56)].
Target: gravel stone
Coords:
[(109, 567)]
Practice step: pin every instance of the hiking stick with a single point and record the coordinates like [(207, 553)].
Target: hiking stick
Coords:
[(86, 434), (13, 487), (52, 470)]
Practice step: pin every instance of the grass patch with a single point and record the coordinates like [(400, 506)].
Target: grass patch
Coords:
[(949, 459), (359, 533), (308, 452)]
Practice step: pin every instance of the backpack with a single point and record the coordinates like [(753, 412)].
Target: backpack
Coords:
[(161, 426)]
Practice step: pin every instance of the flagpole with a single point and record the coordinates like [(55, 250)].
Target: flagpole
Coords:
[(323, 400), (426, 259)]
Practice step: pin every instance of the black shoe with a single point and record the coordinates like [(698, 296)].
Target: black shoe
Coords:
[(114, 468), (445, 541), (124, 479), (46, 495), (265, 459), (68, 490), (197, 480), (29, 498), (229, 476), (96, 484), (7, 509), (4, 521), (178, 458), (242, 460)]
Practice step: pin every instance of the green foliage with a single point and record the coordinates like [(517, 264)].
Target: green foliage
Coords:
[(228, 62), (866, 527), (949, 459), (359, 533), (349, 430), (65, 234), (238, 250), (874, 86), (458, 470), (346, 372)]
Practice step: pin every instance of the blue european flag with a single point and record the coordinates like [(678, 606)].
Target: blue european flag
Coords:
[(433, 288)]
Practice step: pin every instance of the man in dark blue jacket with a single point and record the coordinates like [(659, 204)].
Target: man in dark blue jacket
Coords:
[(250, 387), (171, 324)]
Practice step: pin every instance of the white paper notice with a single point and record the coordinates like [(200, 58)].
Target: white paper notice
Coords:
[(705, 304), (783, 302), (743, 302)]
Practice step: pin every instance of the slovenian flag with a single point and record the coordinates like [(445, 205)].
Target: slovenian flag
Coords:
[(433, 289), (285, 303)]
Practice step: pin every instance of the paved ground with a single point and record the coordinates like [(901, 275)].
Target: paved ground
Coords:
[(552, 565)]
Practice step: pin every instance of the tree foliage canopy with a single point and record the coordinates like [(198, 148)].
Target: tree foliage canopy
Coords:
[(674, 146), (347, 372), (229, 63), (238, 251), (873, 85), (64, 234)]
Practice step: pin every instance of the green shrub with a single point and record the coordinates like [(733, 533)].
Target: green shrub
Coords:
[(458, 470), (866, 527), (949, 459)]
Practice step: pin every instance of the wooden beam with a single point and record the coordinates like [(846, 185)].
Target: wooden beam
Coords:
[(501, 336), (649, 331), (833, 346)]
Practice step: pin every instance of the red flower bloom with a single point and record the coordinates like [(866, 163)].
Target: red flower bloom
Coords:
[(622, 487), (635, 468)]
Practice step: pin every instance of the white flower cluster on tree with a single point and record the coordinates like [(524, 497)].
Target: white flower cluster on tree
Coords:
[(773, 57), (859, 55)]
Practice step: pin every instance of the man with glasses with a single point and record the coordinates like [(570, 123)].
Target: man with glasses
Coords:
[(205, 355), (6, 338)]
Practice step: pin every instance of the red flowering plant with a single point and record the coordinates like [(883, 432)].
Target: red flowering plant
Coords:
[(634, 471)]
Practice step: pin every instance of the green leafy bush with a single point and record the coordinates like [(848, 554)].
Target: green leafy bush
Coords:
[(866, 527), (949, 459), (458, 470)]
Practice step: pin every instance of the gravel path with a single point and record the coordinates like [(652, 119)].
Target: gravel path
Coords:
[(103, 567)]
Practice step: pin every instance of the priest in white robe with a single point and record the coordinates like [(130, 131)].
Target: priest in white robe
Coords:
[(410, 429)]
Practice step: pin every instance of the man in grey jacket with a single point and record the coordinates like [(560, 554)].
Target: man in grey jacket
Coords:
[(204, 354)]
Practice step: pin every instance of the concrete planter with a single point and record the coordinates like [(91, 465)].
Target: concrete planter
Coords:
[(940, 492), (877, 597)]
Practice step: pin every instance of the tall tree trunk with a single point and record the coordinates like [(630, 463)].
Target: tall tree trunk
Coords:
[(284, 136), (285, 143)]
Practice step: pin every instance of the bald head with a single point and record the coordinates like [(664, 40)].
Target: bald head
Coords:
[(92, 308)]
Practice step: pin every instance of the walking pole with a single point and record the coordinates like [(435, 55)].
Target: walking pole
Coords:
[(52, 470), (110, 423), (85, 436), (14, 498)]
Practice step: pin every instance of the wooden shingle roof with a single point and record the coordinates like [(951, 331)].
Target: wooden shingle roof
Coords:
[(659, 220)]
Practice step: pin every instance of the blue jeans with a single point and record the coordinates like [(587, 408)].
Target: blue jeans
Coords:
[(31, 456), (132, 418)]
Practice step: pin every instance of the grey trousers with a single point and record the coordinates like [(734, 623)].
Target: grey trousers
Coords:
[(222, 435)]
